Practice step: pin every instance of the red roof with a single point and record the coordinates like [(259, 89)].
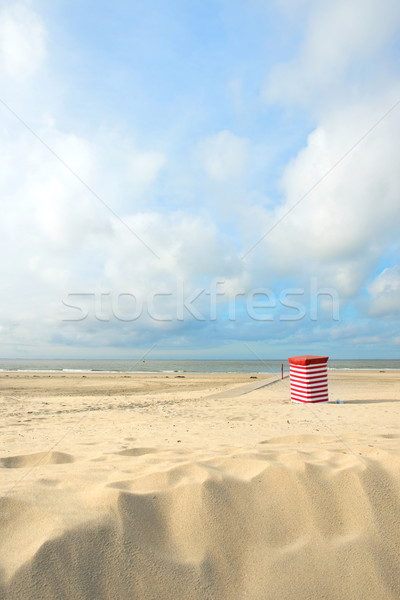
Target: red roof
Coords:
[(308, 359)]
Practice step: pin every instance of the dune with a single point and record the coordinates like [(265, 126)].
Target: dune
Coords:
[(131, 508)]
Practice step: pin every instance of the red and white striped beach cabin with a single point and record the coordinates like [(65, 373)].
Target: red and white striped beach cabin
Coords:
[(308, 378)]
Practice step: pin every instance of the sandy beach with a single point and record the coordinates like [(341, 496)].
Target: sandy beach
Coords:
[(198, 486)]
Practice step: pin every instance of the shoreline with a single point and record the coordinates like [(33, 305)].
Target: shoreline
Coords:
[(143, 372)]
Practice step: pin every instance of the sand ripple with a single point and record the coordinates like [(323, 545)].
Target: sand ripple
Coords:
[(267, 524)]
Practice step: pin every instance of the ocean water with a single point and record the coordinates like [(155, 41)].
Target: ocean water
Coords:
[(181, 366)]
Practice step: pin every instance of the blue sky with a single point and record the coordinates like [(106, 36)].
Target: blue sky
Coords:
[(249, 148)]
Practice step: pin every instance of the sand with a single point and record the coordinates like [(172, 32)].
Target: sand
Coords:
[(202, 486)]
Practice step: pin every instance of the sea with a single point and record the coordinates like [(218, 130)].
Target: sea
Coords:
[(180, 366)]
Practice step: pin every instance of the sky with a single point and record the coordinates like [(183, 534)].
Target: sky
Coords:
[(200, 179)]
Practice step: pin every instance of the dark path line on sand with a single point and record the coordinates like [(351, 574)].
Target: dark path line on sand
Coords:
[(247, 388)]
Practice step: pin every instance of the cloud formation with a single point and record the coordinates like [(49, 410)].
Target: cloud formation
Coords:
[(22, 41), (212, 195), (336, 40)]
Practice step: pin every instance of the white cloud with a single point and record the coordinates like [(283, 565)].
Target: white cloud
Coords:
[(342, 227), (22, 41), (61, 240), (144, 168), (224, 155), (337, 36), (385, 293)]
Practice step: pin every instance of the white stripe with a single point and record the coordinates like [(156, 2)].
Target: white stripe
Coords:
[(309, 401), (308, 382), (323, 386), (308, 377), (309, 368), (321, 396), (299, 399), (314, 397), (310, 392)]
